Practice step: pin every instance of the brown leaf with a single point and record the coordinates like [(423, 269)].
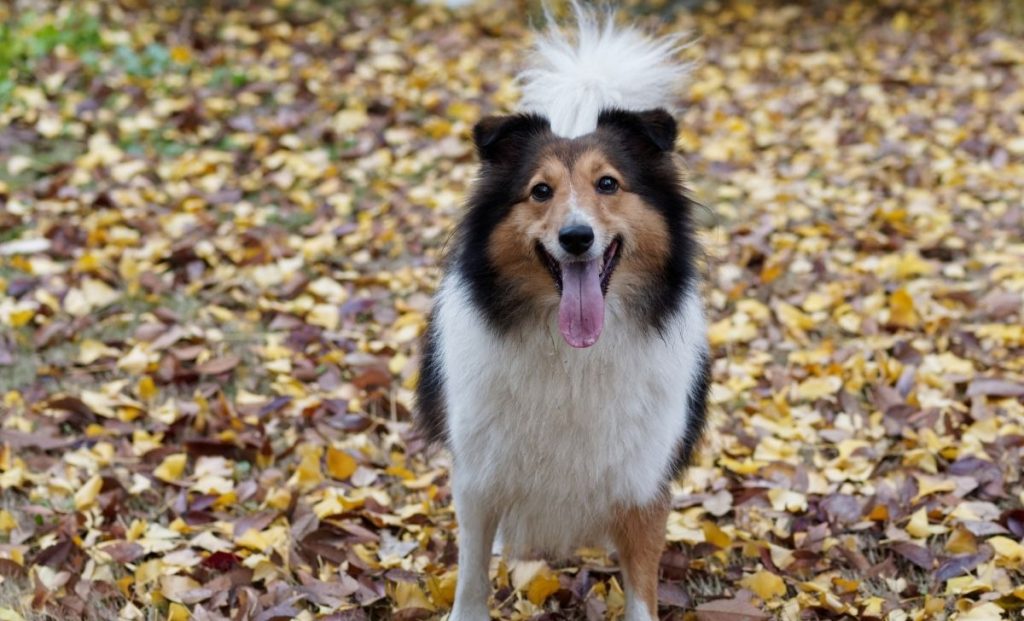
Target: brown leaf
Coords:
[(914, 553), (995, 387), (39, 441), (220, 365), (373, 377), (738, 608), (124, 551), (673, 594), (959, 565), (1000, 304), (257, 521), (55, 555)]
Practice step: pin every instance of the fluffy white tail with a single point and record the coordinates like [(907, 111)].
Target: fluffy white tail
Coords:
[(570, 80)]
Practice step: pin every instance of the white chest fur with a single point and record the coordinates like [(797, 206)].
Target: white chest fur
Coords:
[(554, 438)]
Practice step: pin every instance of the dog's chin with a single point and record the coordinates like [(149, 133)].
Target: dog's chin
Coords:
[(582, 286)]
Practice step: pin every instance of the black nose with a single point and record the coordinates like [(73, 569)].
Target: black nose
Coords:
[(576, 239)]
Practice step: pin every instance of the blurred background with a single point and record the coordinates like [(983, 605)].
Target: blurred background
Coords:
[(221, 225)]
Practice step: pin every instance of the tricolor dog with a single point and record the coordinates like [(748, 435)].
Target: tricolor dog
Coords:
[(566, 361)]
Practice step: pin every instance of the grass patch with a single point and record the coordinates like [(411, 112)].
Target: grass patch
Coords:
[(30, 36)]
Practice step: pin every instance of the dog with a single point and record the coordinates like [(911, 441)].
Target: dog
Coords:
[(565, 364)]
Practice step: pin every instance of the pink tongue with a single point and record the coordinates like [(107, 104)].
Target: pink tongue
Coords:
[(581, 312)]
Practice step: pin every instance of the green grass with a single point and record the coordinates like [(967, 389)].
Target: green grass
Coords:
[(30, 36)]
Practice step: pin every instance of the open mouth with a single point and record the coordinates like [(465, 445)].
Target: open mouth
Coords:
[(582, 286), (610, 260)]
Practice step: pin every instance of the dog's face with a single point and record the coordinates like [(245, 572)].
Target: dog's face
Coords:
[(571, 223)]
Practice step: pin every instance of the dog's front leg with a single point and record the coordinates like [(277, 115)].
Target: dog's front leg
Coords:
[(639, 535), (477, 525)]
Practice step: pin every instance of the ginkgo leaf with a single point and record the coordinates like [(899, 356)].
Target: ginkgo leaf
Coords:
[(765, 585), (340, 465), (86, 495), (171, 468)]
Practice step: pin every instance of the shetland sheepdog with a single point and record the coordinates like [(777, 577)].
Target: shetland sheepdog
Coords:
[(566, 362)]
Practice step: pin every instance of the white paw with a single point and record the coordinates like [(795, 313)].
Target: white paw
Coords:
[(636, 611), (467, 613)]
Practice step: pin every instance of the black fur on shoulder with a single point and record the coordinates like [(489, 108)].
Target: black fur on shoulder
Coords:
[(697, 409), (431, 415)]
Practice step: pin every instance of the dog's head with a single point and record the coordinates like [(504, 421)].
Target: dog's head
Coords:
[(571, 223)]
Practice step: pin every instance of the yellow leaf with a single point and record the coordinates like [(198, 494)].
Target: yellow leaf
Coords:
[(873, 606), (178, 612), (279, 498), (92, 350), (814, 388), (728, 331), (340, 465), (180, 54), (961, 542), (19, 318), (6, 614), (787, 500), (261, 541), (410, 595), (346, 121), (98, 293), (171, 468), (86, 495), (146, 388), (324, 315), (845, 586), (174, 587), (918, 526), (931, 485), (308, 473), (7, 521), (966, 584), (464, 111), (745, 467), (879, 513), (901, 309), (765, 584), (135, 361), (901, 23), (771, 271), (442, 588), (543, 585), (1009, 553), (715, 535), (793, 318), (986, 611)]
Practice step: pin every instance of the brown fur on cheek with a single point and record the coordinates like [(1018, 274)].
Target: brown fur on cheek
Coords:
[(646, 246), (513, 242), (515, 258)]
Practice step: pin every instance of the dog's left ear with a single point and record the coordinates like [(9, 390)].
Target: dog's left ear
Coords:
[(656, 127), (501, 137)]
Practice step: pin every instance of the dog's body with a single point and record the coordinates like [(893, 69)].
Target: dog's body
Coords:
[(566, 362)]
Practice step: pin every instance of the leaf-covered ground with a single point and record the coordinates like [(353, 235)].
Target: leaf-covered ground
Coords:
[(220, 228)]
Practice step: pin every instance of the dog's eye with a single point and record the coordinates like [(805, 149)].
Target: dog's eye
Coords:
[(607, 185), (541, 192)]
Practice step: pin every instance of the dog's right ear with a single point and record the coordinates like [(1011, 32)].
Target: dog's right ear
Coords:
[(501, 137)]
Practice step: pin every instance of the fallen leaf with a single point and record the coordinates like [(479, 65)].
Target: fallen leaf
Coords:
[(738, 608), (171, 468)]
